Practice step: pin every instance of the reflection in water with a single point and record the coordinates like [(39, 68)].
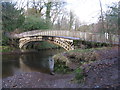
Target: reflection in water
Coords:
[(51, 64), (33, 62), (10, 64)]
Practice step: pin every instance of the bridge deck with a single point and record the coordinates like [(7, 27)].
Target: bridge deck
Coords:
[(74, 35)]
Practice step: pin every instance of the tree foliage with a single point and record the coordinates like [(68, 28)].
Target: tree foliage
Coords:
[(12, 18), (34, 23)]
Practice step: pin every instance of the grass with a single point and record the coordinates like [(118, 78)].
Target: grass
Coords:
[(87, 50), (81, 56), (85, 55), (5, 49)]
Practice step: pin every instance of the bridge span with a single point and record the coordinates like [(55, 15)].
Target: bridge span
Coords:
[(63, 38)]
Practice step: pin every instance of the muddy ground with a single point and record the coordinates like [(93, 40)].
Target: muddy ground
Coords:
[(103, 73)]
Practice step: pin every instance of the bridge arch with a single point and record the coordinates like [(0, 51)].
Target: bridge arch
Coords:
[(64, 43)]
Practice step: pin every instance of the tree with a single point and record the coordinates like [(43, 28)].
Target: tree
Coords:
[(36, 8), (77, 23), (101, 17), (12, 18), (72, 18), (34, 22), (48, 10), (57, 10), (53, 9), (111, 19), (119, 19)]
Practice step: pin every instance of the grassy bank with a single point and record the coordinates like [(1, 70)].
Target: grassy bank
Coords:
[(39, 46), (78, 56), (74, 59), (6, 49)]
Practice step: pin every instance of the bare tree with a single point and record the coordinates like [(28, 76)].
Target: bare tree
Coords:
[(102, 18), (72, 19), (77, 23)]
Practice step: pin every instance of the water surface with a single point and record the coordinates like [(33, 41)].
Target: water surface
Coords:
[(32, 62)]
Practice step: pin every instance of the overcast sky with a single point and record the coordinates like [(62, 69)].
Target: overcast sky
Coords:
[(88, 10)]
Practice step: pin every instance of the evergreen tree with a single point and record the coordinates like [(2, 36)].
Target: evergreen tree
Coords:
[(12, 18)]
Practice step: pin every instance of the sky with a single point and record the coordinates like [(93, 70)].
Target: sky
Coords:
[(88, 11)]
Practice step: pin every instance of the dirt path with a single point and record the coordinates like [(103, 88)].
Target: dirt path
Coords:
[(102, 74), (39, 80)]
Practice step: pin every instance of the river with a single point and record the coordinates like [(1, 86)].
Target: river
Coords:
[(38, 61)]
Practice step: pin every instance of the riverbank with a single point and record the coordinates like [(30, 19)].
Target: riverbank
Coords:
[(102, 76), (39, 80), (17, 51), (99, 74), (38, 47), (6, 49), (75, 58)]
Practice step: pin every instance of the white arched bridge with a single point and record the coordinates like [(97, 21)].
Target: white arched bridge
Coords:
[(64, 38)]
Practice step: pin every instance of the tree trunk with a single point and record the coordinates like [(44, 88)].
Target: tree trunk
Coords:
[(48, 9)]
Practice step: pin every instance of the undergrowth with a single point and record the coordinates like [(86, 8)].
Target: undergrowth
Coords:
[(79, 76), (60, 67)]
